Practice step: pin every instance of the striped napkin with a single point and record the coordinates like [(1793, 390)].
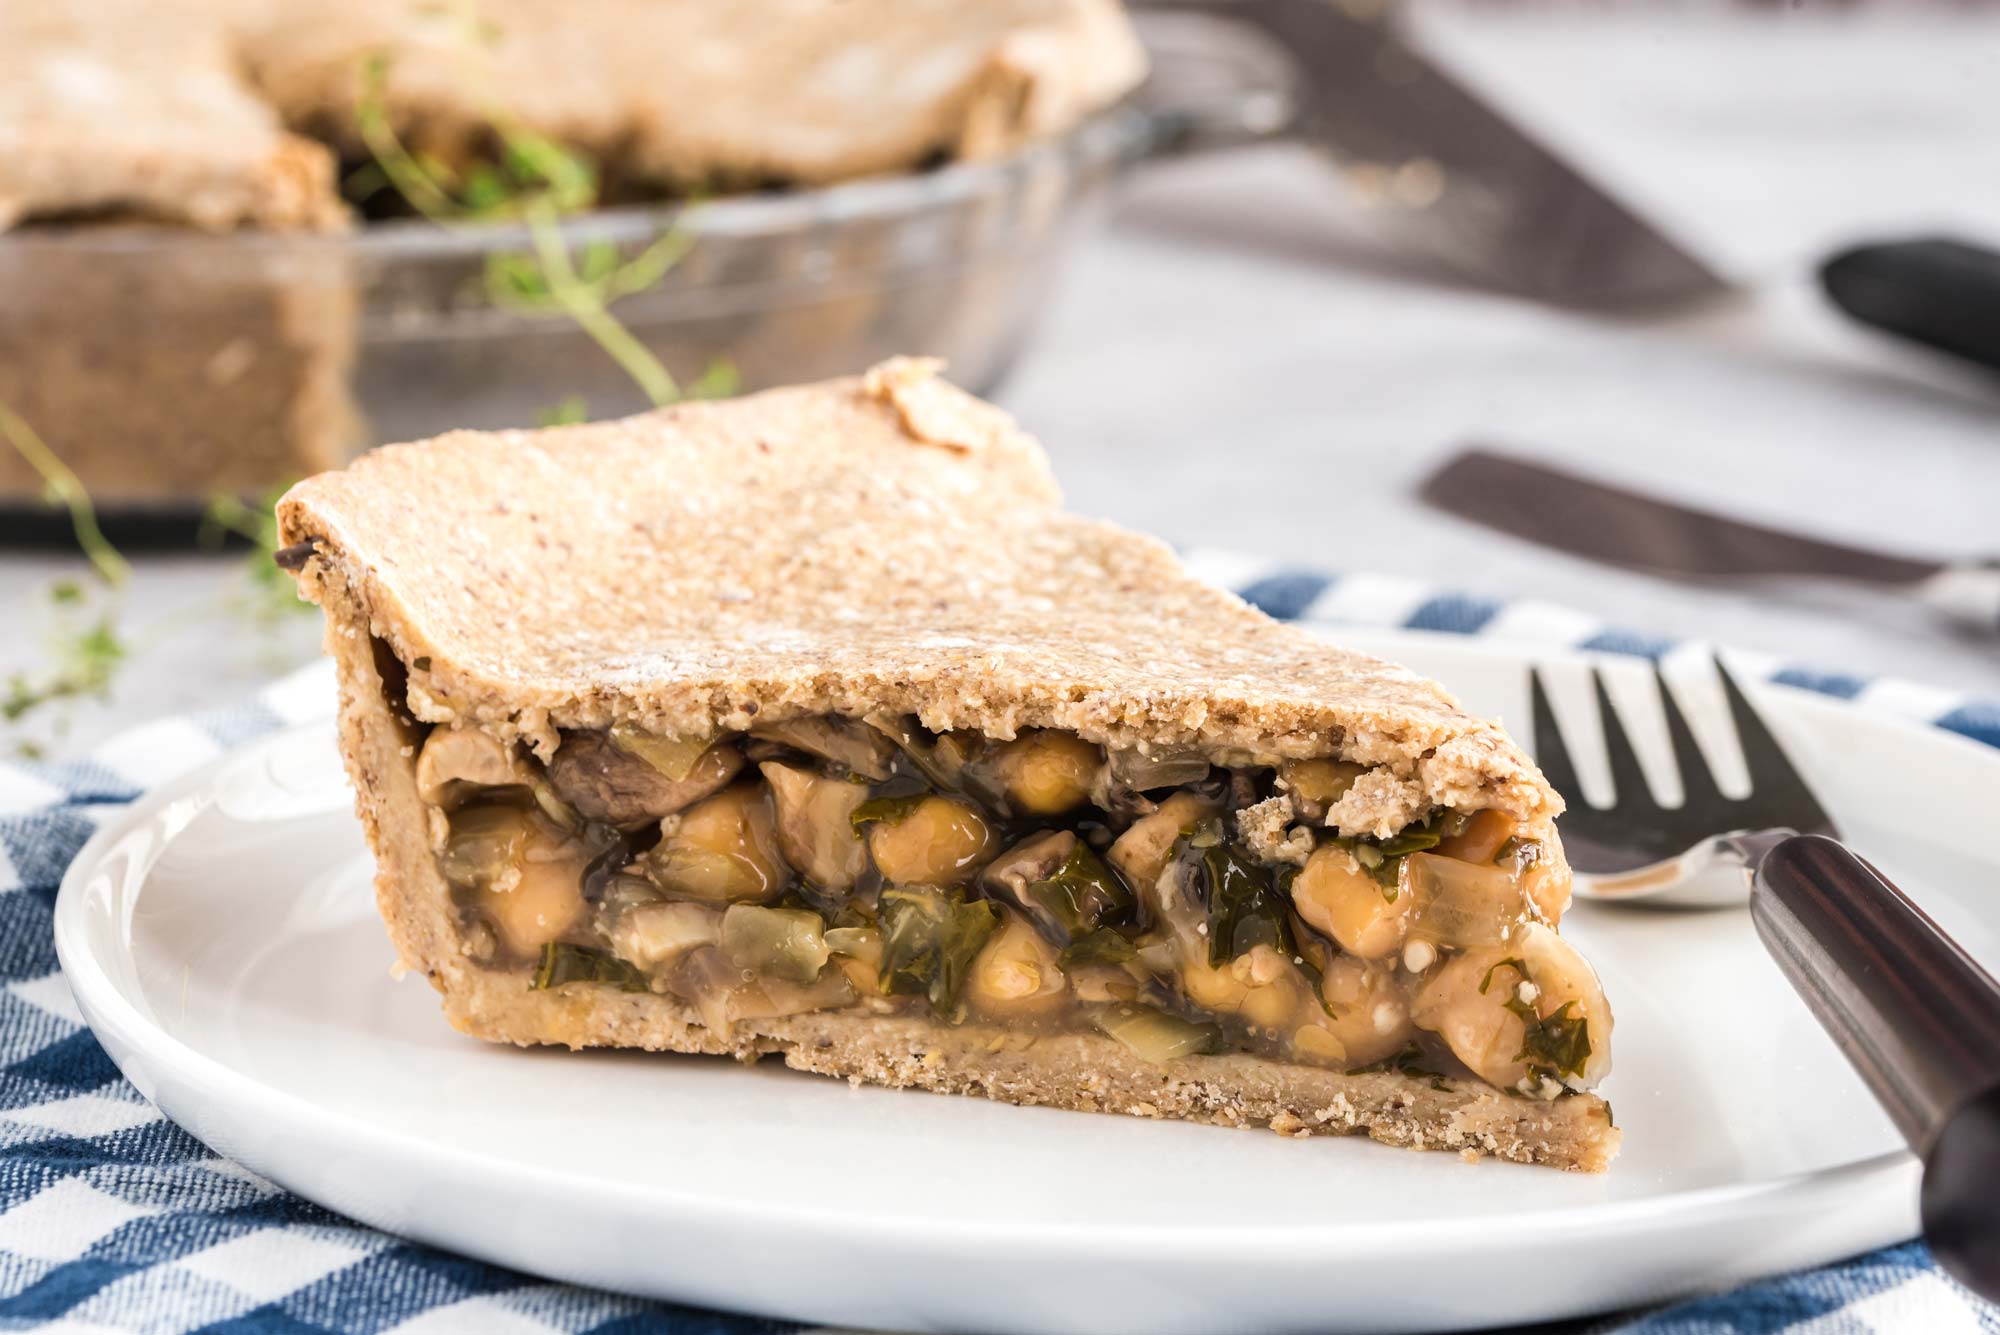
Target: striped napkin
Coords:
[(114, 1219)]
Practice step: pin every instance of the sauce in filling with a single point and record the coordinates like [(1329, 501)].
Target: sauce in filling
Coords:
[(1039, 884)]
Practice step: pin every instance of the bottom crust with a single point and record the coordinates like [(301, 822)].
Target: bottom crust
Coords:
[(1083, 1072)]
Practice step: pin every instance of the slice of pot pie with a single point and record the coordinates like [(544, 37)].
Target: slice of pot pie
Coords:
[(808, 724)]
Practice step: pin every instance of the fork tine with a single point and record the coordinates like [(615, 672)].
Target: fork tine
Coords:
[(1550, 752), (1775, 783), (1628, 780), (1697, 775)]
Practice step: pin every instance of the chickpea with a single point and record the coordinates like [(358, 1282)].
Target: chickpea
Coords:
[(1260, 985), (1015, 974), (1334, 895), (815, 825), (1316, 785), (1485, 833), (1477, 1026), (1482, 1029), (1370, 1017), (525, 871), (723, 848), (1047, 773), (1141, 852), (942, 841)]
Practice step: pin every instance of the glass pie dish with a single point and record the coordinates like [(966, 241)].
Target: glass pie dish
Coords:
[(167, 366)]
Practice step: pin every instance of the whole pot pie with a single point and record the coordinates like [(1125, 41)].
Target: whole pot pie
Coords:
[(810, 725), (172, 372)]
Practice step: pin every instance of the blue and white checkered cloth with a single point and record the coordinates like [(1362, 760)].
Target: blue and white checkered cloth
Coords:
[(114, 1219)]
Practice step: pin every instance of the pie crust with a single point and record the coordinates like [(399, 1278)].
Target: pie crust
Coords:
[(887, 547)]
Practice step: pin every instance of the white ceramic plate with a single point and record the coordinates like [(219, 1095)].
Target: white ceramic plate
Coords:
[(221, 938)]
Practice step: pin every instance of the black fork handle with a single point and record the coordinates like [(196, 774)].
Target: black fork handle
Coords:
[(1918, 1018)]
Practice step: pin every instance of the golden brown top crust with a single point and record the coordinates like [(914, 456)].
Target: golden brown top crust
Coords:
[(885, 543), (709, 92), (179, 110), (136, 107)]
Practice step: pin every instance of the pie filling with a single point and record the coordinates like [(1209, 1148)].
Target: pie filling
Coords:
[(1177, 902)]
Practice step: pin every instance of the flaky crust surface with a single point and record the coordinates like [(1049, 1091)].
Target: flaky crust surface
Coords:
[(883, 544)]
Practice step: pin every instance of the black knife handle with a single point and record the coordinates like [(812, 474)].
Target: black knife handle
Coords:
[(1939, 292), (1917, 1017)]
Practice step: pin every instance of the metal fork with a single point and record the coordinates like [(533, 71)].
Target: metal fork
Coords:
[(1692, 855), (1917, 1017)]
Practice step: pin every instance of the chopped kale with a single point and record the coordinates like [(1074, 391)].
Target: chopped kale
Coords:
[(1409, 841), (889, 809), (1102, 946), (1245, 909), (1555, 1045), (565, 963), (1081, 895), (1514, 962), (929, 939)]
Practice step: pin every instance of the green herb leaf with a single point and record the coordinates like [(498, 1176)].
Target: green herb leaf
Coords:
[(1405, 842), (1556, 1045), (890, 810), (1245, 909), (1103, 946), (929, 939), (563, 963), (571, 410), (1081, 894)]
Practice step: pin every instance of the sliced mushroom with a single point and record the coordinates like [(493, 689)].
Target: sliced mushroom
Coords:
[(714, 984), (606, 782), (1036, 858), (940, 757), (657, 934), (1161, 767), (459, 758), (1141, 852), (1059, 884), (789, 944), (845, 742), (816, 825)]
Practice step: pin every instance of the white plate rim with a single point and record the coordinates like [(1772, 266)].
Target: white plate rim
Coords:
[(1888, 1178)]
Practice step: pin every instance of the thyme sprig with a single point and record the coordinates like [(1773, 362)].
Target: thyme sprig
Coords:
[(536, 182), (61, 486)]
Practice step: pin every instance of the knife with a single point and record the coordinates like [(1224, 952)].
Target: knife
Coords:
[(1600, 522), (1451, 175)]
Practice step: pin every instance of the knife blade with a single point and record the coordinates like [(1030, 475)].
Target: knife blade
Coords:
[(1453, 176), (1616, 526)]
